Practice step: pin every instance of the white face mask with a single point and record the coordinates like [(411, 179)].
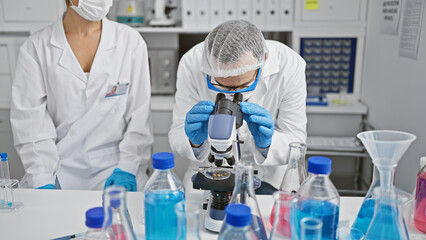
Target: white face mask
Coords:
[(92, 10)]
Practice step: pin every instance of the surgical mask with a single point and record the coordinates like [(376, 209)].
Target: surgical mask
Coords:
[(92, 10)]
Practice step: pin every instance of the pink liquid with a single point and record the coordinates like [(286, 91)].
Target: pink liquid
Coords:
[(283, 227), (119, 231), (420, 211)]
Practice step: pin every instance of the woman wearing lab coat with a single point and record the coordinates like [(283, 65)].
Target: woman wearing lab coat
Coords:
[(236, 58), (71, 130)]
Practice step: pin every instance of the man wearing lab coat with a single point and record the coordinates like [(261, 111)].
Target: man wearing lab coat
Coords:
[(69, 130), (236, 58)]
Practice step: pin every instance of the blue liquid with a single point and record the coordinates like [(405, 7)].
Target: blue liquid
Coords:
[(323, 210), (365, 215), (386, 224), (259, 229), (160, 216)]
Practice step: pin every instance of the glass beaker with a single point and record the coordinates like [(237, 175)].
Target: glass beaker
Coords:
[(311, 228), (296, 171), (348, 233), (115, 199), (388, 222), (244, 193), (188, 214), (280, 220), (385, 149)]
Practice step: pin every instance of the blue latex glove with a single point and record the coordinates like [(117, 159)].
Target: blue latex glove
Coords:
[(196, 122), (47, 186), (122, 178), (260, 123)]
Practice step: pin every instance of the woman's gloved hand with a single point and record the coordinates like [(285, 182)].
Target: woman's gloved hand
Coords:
[(47, 186), (260, 123), (122, 178), (196, 122)]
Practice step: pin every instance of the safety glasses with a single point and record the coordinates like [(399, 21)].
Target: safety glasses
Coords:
[(215, 86)]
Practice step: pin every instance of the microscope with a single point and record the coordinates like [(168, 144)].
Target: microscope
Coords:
[(224, 152)]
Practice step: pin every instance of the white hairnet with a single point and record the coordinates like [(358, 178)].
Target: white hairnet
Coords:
[(233, 48)]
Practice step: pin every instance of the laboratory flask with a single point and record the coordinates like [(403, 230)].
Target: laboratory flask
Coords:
[(162, 191), (280, 222), (420, 205), (98, 228), (188, 214), (311, 228), (115, 201), (348, 233), (385, 149), (318, 198), (296, 172), (244, 193), (387, 222), (237, 224)]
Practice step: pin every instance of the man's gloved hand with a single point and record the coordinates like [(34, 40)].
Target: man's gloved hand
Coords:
[(260, 123), (122, 178), (47, 186), (196, 122)]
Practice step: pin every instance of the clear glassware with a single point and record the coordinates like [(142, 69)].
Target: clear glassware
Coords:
[(188, 213), (296, 171), (115, 200), (311, 228), (420, 206), (386, 149), (348, 233), (280, 221), (244, 193), (98, 228), (237, 224)]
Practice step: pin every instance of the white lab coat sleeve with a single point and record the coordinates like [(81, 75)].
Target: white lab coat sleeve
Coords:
[(290, 122), (34, 132), (135, 147), (186, 97)]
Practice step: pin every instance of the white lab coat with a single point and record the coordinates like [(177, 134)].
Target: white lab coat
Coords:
[(281, 91), (64, 127)]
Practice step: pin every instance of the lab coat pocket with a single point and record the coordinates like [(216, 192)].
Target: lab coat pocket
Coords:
[(113, 105), (103, 159)]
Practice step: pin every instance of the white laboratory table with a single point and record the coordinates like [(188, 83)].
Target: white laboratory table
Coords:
[(54, 213)]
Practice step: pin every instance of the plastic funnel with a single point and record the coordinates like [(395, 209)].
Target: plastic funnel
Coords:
[(386, 147)]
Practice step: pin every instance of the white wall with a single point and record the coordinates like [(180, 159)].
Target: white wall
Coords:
[(394, 89)]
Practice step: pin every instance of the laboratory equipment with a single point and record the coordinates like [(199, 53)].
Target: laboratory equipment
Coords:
[(188, 213), (237, 224), (296, 172), (130, 12), (162, 191), (161, 15), (420, 205), (9, 188), (280, 219), (385, 148), (318, 198), (244, 193), (98, 228), (225, 119), (310, 228), (348, 233), (115, 202)]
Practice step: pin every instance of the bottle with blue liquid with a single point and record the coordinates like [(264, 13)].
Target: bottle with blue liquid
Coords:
[(238, 223), (163, 190), (318, 198)]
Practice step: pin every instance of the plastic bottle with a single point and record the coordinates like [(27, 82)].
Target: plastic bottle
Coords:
[(420, 207), (163, 190), (237, 223), (318, 198), (94, 221)]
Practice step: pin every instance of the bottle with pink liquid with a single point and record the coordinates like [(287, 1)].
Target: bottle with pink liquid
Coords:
[(420, 207)]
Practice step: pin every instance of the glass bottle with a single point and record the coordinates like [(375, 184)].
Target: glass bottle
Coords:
[(115, 200), (162, 191), (244, 193), (281, 225), (94, 221), (296, 172), (420, 207), (237, 223), (188, 213), (318, 198)]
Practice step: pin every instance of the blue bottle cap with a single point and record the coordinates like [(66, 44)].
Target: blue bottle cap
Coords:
[(95, 217), (163, 160), (3, 157), (319, 165), (238, 215)]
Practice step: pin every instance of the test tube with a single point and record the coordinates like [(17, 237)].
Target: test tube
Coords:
[(4, 165), (311, 228), (5, 200)]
